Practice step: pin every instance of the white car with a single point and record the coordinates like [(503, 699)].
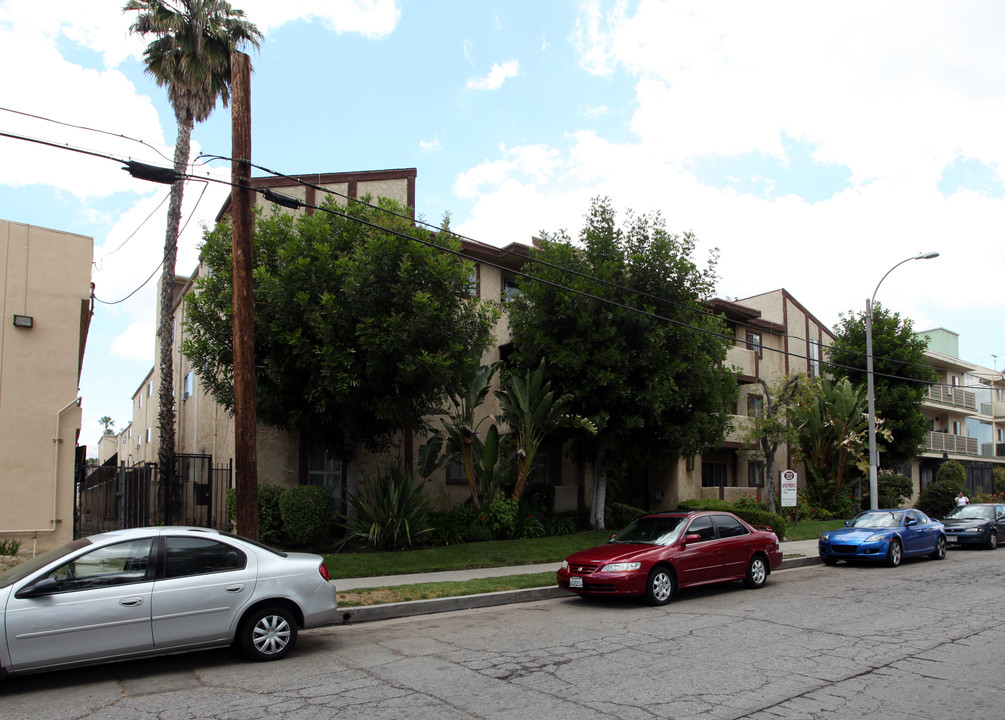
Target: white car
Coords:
[(152, 591)]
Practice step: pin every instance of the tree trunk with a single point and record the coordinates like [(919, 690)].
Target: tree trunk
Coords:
[(599, 491), (769, 471), (165, 332)]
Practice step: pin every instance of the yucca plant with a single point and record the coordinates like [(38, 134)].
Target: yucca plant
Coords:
[(389, 510)]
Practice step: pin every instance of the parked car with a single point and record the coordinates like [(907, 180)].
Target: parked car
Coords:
[(658, 554), (884, 536), (976, 524), (150, 591)]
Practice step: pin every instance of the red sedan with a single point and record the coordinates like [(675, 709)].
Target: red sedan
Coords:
[(658, 554)]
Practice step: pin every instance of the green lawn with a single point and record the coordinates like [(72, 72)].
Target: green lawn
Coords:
[(810, 529), (495, 553)]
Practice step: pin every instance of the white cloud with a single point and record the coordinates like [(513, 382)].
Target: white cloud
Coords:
[(372, 18), (496, 77), (535, 161), (136, 342), (430, 146)]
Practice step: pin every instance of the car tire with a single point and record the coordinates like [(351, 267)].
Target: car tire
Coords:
[(993, 540), (829, 561), (757, 572), (268, 633), (661, 586), (940, 548), (895, 554)]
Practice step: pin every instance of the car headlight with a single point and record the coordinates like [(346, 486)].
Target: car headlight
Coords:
[(976, 529), (565, 564), (825, 537), (621, 567), (876, 538)]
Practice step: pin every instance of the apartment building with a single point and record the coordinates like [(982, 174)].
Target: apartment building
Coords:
[(45, 297), (966, 410)]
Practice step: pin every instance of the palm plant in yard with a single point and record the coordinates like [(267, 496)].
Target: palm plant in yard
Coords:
[(389, 510), (190, 55)]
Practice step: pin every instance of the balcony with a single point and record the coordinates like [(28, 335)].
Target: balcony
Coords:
[(946, 443), (742, 359), (954, 396)]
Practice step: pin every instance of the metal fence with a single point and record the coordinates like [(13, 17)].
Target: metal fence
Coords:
[(118, 497)]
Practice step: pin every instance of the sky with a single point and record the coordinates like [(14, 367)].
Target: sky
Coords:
[(813, 146)]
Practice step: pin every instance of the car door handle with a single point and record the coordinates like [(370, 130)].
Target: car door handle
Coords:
[(234, 588), (131, 601)]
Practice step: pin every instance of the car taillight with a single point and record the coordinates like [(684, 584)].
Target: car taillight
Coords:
[(323, 569)]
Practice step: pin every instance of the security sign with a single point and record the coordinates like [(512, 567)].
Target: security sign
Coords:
[(789, 482)]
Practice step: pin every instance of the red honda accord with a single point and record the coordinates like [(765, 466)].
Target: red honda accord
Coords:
[(658, 554)]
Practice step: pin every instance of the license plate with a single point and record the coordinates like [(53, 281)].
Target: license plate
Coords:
[(951, 538), (575, 582)]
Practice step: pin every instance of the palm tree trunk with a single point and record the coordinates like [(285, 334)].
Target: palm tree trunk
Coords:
[(165, 332)]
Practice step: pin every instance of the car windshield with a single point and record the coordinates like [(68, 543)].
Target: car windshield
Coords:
[(972, 512), (652, 531), (877, 520), (39, 561)]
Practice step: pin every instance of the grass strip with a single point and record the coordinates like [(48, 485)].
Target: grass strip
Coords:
[(431, 591)]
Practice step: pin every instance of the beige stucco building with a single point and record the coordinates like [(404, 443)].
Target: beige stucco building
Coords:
[(45, 299)]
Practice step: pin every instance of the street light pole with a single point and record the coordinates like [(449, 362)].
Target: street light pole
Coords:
[(871, 389)]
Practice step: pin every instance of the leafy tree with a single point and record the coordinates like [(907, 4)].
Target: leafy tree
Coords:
[(532, 411), (190, 54), (107, 424), (833, 441), (771, 428), (361, 322), (900, 376), (939, 496), (629, 340), (894, 490)]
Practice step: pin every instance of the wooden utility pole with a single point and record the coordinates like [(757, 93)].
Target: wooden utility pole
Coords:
[(242, 223)]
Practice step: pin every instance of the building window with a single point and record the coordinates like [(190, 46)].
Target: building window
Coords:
[(150, 434), (150, 388), (755, 406), (814, 358), (1001, 434), (689, 463), (957, 427), (324, 469), (714, 474), (509, 289), (189, 385), (755, 474), (754, 343)]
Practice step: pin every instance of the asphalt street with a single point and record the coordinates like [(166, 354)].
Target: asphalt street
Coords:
[(918, 641)]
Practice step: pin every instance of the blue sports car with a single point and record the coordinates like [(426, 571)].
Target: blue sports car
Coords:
[(884, 536)]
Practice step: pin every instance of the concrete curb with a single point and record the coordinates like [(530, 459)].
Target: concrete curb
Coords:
[(389, 611), (464, 602)]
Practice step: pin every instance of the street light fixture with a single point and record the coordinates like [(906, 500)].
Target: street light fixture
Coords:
[(873, 455)]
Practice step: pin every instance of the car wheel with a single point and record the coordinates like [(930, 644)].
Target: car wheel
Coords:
[(993, 540), (829, 560), (661, 586), (940, 548), (267, 634), (894, 554), (757, 572)]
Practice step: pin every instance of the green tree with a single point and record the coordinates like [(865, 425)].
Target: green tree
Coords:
[(190, 55), (770, 427), (832, 428), (901, 375), (107, 425), (532, 410), (361, 322), (620, 318)]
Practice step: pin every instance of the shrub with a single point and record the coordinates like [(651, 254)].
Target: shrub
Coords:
[(389, 510), (750, 502), (528, 525), (10, 546), (500, 516), (539, 497), (618, 515), (561, 524), (952, 472), (894, 490), (270, 519), (999, 481), (307, 514)]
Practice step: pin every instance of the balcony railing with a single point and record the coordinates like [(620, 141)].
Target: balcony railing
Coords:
[(956, 444), (743, 359), (949, 395)]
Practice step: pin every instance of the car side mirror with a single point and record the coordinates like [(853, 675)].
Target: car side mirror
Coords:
[(911, 522), (688, 539), (45, 586)]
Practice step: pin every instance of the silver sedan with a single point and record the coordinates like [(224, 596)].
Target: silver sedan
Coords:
[(151, 591)]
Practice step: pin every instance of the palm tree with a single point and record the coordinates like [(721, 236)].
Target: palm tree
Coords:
[(107, 422), (190, 54)]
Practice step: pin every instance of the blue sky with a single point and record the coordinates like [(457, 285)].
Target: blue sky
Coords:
[(814, 145)]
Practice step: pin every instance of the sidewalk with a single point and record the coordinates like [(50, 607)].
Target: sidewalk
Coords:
[(795, 554)]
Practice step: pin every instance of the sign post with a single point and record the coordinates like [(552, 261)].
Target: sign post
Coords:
[(789, 483)]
